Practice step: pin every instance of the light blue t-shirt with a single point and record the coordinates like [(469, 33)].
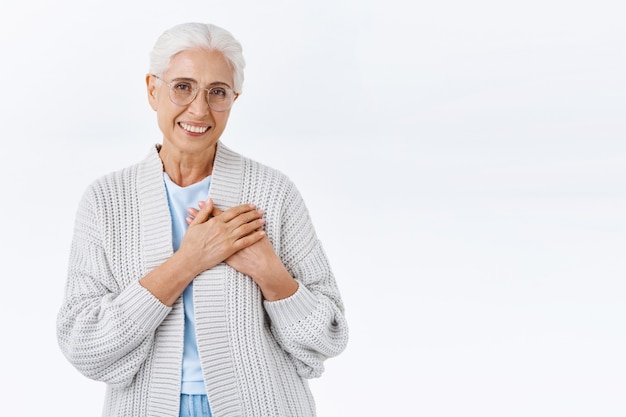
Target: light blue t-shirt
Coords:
[(180, 199)]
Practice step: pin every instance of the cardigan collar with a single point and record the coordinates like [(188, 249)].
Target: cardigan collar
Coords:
[(156, 229)]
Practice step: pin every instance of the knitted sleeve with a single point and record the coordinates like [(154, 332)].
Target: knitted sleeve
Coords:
[(310, 325), (105, 327)]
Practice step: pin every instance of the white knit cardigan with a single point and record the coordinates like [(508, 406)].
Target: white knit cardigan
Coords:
[(255, 354)]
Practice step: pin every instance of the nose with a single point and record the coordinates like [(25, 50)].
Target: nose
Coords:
[(200, 104)]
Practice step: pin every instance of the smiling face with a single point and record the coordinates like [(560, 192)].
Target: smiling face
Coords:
[(194, 129)]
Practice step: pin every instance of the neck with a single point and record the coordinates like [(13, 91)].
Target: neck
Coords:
[(185, 168)]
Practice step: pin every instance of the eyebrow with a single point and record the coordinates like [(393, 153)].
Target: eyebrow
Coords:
[(193, 80)]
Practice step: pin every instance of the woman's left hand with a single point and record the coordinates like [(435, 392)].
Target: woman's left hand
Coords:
[(259, 262)]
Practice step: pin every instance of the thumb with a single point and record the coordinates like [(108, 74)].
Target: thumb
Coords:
[(205, 212), (214, 210)]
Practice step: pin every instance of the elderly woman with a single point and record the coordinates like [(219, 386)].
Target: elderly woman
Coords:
[(196, 284)]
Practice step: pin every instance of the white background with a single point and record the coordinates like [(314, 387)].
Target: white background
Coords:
[(464, 164)]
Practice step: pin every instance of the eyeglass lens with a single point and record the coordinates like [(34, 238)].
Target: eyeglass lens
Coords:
[(183, 92)]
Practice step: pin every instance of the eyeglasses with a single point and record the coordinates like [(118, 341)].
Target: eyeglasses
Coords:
[(183, 91)]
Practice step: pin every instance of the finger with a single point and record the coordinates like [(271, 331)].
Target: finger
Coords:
[(249, 227), (216, 211), (236, 211), (248, 217), (252, 220), (204, 214), (192, 214), (248, 240)]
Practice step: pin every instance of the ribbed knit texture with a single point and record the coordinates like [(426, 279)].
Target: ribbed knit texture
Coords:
[(255, 354)]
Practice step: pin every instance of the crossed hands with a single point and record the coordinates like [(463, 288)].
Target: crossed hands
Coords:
[(236, 237)]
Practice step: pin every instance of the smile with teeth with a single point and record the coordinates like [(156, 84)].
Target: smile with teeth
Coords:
[(193, 129)]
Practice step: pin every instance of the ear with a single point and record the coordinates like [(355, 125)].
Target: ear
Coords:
[(152, 90)]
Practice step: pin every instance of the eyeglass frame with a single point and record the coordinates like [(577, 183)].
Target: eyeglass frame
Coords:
[(196, 90)]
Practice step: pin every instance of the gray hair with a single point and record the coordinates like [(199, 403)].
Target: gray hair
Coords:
[(198, 35)]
